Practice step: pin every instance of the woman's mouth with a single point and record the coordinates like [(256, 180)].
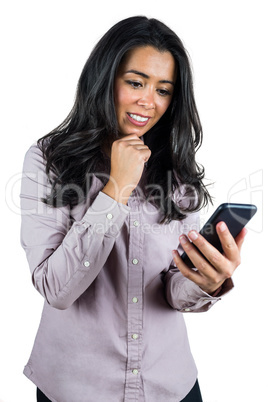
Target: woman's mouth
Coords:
[(137, 119)]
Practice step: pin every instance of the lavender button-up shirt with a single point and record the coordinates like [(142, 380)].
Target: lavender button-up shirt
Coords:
[(112, 327)]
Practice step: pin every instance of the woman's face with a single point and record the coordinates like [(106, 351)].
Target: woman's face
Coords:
[(144, 87)]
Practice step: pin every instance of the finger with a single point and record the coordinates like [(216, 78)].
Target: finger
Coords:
[(129, 144), (146, 153), (198, 260), (128, 140), (213, 255), (140, 146), (131, 137), (132, 143), (228, 243), (187, 272), (240, 238)]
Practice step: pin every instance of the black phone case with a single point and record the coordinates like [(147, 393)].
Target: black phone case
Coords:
[(236, 216)]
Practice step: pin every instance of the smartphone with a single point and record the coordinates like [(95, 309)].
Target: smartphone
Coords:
[(236, 216)]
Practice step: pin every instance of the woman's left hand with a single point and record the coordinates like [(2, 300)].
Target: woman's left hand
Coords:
[(213, 270)]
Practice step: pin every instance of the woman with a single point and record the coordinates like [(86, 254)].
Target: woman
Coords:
[(105, 197)]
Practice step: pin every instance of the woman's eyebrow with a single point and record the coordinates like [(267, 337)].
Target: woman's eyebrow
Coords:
[(147, 76), (138, 73)]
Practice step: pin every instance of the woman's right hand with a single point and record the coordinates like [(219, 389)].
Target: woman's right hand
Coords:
[(128, 156)]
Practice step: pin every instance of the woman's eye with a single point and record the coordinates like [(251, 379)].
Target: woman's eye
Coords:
[(164, 92), (134, 84)]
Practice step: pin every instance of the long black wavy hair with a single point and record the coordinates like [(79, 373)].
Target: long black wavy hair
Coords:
[(74, 150)]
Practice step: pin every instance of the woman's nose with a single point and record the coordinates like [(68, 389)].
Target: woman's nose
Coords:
[(147, 99)]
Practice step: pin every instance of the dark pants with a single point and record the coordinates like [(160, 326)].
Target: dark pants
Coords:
[(193, 396), (40, 397)]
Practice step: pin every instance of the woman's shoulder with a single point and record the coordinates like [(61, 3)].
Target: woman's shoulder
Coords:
[(34, 158)]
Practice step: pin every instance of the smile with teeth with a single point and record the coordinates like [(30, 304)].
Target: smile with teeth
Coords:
[(138, 118)]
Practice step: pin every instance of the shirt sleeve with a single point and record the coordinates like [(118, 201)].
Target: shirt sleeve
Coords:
[(64, 260), (183, 294)]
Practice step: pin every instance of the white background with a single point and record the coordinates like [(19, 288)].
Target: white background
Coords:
[(44, 47)]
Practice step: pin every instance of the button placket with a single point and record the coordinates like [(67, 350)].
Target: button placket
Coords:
[(135, 301)]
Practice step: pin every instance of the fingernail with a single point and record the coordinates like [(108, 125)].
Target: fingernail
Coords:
[(183, 239), (193, 235), (223, 227), (174, 253)]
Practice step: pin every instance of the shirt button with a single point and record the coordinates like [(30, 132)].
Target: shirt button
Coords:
[(135, 261), (135, 336), (136, 223), (135, 371), (86, 263), (109, 216), (135, 300)]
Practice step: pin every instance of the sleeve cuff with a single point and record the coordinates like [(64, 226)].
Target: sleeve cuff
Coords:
[(200, 301), (106, 215), (224, 288)]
